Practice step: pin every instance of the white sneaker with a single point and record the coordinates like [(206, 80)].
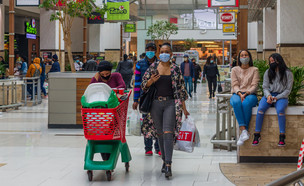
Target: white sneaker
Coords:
[(243, 137)]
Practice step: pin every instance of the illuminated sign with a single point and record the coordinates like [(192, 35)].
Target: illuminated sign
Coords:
[(228, 17), (130, 27), (219, 3), (30, 29), (228, 28), (27, 2)]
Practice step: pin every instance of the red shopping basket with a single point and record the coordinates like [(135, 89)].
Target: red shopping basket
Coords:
[(105, 124)]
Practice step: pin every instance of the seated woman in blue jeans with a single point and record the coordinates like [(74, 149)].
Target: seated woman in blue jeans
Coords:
[(244, 84), (277, 85)]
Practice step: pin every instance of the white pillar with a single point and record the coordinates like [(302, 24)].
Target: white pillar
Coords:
[(290, 31), (49, 36), (2, 23), (253, 39), (269, 31)]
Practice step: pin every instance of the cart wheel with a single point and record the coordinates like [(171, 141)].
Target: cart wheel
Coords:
[(127, 165), (90, 175), (109, 175)]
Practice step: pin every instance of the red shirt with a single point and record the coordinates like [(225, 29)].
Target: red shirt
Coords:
[(115, 81)]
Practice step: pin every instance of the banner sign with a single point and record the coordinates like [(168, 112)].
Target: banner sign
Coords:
[(223, 3), (98, 19), (118, 10), (30, 29), (228, 28), (130, 27), (27, 2), (227, 17)]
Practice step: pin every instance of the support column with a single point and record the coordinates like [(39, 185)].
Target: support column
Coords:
[(11, 36), (242, 26), (290, 31), (50, 39), (2, 22), (84, 39), (269, 32), (253, 39)]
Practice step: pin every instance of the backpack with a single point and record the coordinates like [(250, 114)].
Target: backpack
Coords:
[(37, 72)]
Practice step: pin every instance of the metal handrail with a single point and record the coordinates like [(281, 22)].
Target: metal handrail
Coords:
[(292, 178), (8, 89), (35, 82)]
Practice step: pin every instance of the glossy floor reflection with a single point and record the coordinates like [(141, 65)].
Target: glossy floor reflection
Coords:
[(35, 155)]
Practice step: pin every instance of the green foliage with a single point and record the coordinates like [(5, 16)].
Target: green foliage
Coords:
[(73, 8), (298, 85), (67, 67), (2, 69), (262, 65), (189, 43), (162, 30)]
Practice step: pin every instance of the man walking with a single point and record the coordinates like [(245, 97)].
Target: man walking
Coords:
[(187, 69)]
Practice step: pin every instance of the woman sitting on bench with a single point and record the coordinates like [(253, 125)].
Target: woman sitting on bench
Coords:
[(277, 85)]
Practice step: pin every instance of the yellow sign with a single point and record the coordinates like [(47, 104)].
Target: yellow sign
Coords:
[(228, 28)]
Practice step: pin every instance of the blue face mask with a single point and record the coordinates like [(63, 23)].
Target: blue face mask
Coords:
[(150, 54), (164, 57), (211, 61)]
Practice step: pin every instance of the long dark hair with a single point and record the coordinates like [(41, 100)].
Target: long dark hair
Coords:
[(209, 59), (282, 68), (250, 58)]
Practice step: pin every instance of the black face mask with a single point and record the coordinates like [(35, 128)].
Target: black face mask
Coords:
[(273, 66), (106, 77)]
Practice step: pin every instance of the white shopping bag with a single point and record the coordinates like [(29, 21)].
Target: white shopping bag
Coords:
[(188, 136), (135, 123)]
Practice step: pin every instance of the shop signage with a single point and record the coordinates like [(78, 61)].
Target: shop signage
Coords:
[(228, 28), (227, 17), (30, 29), (118, 10), (98, 19), (27, 2), (130, 28), (223, 3)]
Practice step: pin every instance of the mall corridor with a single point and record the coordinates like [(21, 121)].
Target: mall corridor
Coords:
[(46, 157)]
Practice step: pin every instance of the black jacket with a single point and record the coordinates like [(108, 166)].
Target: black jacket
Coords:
[(90, 65), (211, 70), (125, 67), (197, 71)]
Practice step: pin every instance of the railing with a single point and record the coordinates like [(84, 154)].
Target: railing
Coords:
[(8, 92), (225, 123), (294, 178), (36, 88)]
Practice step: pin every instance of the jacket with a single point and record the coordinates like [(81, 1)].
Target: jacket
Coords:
[(32, 69), (43, 70), (125, 67), (191, 66), (55, 67), (90, 65), (23, 69), (140, 69), (197, 71), (211, 70)]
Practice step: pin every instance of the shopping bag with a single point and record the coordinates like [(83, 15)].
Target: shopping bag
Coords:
[(188, 136), (99, 95), (135, 123), (219, 87)]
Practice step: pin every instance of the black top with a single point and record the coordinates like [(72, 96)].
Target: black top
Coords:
[(164, 86), (211, 70)]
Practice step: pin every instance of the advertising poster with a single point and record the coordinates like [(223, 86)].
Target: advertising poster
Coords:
[(118, 10), (224, 71)]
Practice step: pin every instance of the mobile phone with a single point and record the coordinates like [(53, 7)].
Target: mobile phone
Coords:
[(156, 72)]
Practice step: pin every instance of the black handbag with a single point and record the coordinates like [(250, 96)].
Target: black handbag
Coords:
[(146, 99), (219, 87)]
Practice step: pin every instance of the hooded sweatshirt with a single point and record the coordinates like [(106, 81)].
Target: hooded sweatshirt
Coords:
[(31, 70)]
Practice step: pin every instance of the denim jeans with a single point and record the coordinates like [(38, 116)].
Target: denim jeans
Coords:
[(188, 84), (243, 110), (280, 106), (42, 78)]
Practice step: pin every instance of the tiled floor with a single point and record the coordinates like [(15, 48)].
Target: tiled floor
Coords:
[(35, 155), (254, 174)]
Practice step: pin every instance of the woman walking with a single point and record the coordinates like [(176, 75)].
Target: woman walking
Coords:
[(244, 84), (211, 71), (125, 68), (168, 105), (277, 85)]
